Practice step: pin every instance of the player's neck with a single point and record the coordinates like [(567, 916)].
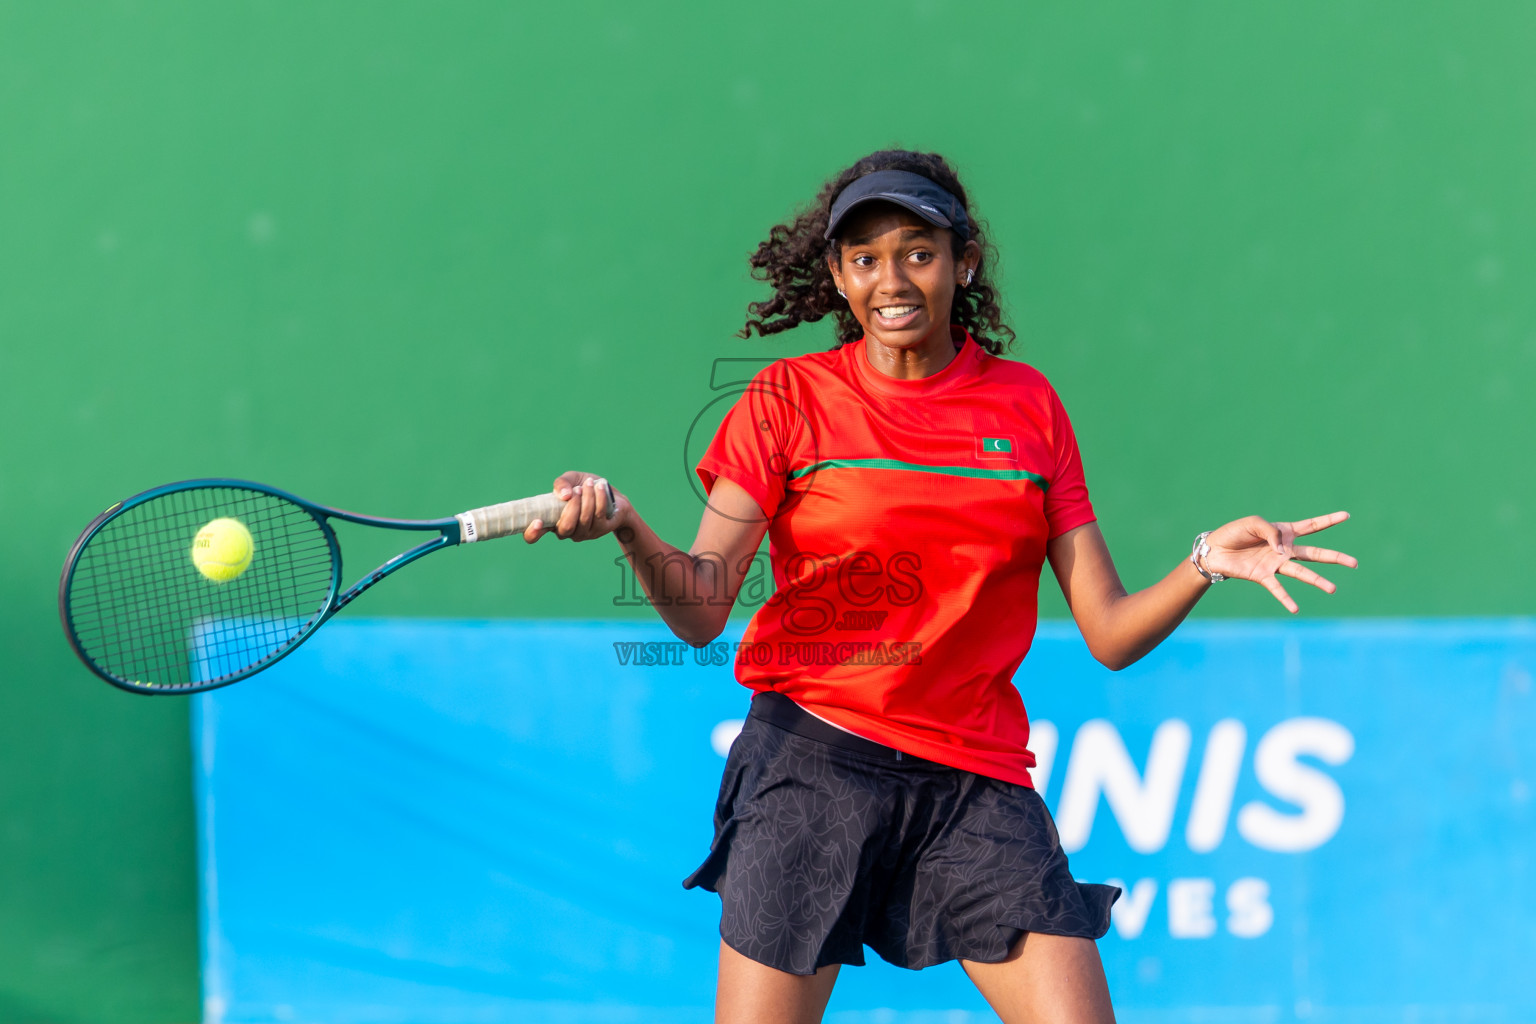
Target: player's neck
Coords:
[(912, 362)]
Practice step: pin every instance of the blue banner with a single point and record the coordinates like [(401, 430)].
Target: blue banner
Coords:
[(478, 823)]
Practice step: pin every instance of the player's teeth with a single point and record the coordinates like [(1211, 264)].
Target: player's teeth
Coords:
[(897, 311)]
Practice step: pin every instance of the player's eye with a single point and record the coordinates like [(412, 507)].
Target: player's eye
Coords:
[(920, 256), (864, 261)]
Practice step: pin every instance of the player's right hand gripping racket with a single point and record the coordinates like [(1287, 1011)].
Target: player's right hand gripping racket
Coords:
[(198, 584)]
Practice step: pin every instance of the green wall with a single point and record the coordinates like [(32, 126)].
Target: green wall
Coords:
[(409, 259)]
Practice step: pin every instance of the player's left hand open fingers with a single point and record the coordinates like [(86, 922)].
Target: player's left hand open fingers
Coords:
[(1307, 553), (1302, 527), (1272, 585), (1305, 575), (1241, 536)]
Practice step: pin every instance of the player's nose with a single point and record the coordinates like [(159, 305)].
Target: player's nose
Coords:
[(893, 281)]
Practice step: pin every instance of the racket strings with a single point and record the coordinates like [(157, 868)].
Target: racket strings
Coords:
[(143, 613)]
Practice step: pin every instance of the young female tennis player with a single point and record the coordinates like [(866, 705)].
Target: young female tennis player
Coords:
[(912, 485)]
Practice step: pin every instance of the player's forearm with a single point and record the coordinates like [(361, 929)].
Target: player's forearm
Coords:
[(689, 591), (1126, 627)]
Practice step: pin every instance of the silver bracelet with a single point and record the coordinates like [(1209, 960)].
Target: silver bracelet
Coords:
[(1197, 553)]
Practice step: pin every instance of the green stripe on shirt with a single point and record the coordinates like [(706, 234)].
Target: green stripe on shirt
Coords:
[(973, 472)]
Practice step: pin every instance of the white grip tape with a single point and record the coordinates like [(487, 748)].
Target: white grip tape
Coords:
[(508, 518)]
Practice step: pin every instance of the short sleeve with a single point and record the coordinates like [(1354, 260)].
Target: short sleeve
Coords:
[(752, 446), (1066, 498)]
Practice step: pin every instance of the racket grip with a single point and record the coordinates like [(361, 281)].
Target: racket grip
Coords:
[(513, 517)]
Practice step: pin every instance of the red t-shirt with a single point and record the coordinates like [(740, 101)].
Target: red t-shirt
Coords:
[(909, 521)]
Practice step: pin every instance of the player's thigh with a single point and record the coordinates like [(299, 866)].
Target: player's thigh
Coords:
[(752, 993), (1055, 978)]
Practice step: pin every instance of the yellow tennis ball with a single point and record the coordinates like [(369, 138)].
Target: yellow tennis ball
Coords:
[(222, 550)]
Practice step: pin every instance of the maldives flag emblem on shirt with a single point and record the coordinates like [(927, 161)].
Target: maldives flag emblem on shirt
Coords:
[(994, 447)]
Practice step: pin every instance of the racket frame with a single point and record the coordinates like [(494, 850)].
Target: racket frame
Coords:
[(448, 534)]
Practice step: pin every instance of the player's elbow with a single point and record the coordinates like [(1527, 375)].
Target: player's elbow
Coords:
[(1112, 657), (1117, 660), (1109, 646), (701, 631)]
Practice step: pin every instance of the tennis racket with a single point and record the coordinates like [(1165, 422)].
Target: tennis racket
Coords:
[(148, 611)]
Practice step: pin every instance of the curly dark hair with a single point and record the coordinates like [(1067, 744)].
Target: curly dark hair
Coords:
[(794, 260)]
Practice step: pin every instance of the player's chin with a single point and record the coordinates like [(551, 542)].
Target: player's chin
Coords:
[(908, 335)]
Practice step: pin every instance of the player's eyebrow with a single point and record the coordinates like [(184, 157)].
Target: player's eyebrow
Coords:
[(906, 233)]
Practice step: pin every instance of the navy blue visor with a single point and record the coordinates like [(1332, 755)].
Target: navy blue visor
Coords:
[(911, 191)]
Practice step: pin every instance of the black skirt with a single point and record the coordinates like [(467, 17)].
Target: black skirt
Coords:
[(825, 843)]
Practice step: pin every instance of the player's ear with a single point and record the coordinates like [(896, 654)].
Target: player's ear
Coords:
[(834, 264), (970, 259)]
